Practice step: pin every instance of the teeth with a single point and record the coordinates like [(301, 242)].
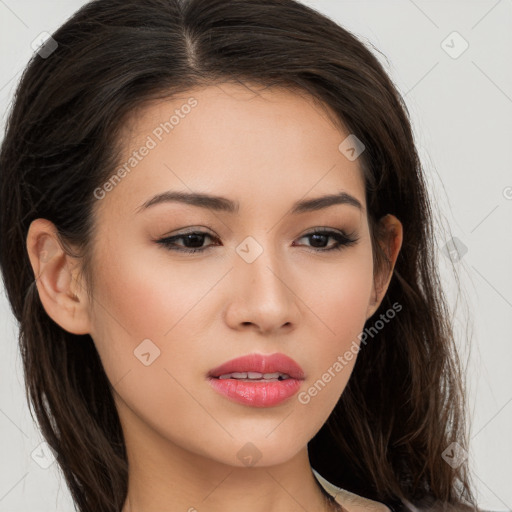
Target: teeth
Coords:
[(255, 376)]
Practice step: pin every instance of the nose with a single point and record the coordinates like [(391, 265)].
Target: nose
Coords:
[(262, 296)]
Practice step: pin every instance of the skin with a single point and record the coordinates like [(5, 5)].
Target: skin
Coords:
[(265, 150)]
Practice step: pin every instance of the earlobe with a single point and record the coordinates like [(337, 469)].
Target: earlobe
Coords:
[(57, 286)]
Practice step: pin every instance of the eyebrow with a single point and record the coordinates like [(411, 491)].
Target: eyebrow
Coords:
[(222, 204)]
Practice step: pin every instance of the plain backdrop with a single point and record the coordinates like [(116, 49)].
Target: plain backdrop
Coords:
[(451, 62)]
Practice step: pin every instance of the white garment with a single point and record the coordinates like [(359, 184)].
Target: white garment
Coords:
[(344, 497)]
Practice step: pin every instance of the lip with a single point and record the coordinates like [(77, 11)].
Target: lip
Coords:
[(258, 393), (260, 363)]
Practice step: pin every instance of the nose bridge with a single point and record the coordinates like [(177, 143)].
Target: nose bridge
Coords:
[(261, 290), (258, 266)]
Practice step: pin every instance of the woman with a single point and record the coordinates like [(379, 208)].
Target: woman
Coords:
[(218, 243)]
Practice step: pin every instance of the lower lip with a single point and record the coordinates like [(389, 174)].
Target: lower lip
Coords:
[(258, 393)]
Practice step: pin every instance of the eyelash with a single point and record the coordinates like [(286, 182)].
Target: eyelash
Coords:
[(342, 240)]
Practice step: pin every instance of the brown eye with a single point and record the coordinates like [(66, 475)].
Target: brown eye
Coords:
[(319, 239), (193, 242)]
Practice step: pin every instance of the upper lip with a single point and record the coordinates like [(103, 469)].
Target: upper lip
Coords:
[(260, 363)]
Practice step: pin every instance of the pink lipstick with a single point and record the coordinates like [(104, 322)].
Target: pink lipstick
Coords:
[(257, 380)]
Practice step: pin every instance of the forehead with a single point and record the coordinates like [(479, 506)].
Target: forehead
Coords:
[(249, 143)]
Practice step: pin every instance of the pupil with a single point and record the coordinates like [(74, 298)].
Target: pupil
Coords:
[(196, 238), (317, 235)]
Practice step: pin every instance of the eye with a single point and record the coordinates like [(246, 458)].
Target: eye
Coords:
[(320, 236), (193, 241)]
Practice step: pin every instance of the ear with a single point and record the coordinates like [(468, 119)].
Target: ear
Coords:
[(391, 241), (60, 291)]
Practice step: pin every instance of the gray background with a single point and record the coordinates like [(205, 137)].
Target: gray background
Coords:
[(461, 110)]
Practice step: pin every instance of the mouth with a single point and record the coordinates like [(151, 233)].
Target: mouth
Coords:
[(257, 380)]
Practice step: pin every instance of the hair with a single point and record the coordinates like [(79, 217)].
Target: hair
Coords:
[(404, 403)]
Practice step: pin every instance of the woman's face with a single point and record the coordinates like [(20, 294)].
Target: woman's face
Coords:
[(162, 318)]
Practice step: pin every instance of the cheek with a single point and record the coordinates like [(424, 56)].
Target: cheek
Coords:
[(149, 296), (339, 292), (172, 304), (337, 299), (148, 300)]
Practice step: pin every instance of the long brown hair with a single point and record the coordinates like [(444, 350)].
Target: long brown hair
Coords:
[(404, 403)]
